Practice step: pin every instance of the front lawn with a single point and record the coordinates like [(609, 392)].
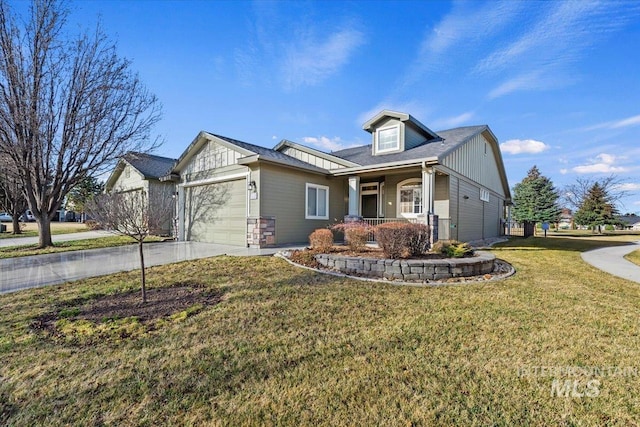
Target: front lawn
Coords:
[(30, 229), (287, 346), (73, 245), (634, 256)]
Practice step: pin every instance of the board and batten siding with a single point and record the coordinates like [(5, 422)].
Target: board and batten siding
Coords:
[(213, 158), (283, 197), (130, 179), (476, 160), (311, 159)]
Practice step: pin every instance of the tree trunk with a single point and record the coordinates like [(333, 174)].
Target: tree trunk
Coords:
[(44, 231), (16, 225), (142, 275)]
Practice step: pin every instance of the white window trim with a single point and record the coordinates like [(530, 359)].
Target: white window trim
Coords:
[(306, 201), (484, 195), (398, 198), (387, 150)]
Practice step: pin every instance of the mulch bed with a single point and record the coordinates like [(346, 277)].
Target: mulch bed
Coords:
[(161, 303)]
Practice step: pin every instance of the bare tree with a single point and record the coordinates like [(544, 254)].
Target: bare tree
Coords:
[(12, 199), (69, 107), (575, 194), (135, 214)]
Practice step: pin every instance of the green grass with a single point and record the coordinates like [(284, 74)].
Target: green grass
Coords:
[(634, 257), (30, 229), (74, 245), (288, 346)]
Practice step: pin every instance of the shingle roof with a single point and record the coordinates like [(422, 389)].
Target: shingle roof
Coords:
[(268, 153), (149, 165), (450, 139), (629, 219)]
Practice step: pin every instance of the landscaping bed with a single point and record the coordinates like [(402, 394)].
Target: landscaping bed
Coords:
[(427, 268)]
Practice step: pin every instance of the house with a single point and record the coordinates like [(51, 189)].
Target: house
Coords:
[(565, 221), (142, 172), (238, 193), (628, 222)]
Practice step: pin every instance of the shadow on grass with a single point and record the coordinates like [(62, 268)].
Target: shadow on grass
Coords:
[(578, 243)]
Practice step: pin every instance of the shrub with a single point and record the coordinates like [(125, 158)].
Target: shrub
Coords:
[(452, 248), (356, 234), (609, 227), (321, 239), (402, 239), (93, 225)]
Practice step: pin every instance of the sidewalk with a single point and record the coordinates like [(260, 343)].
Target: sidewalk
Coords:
[(41, 270), (611, 260), (83, 235)]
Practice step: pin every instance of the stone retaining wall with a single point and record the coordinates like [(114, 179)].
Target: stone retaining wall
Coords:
[(410, 269)]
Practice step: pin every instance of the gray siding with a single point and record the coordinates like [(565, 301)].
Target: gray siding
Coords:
[(283, 197), (412, 138), (470, 214), (492, 215), (454, 191), (471, 161), (130, 179)]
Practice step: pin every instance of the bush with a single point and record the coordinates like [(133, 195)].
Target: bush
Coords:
[(402, 239), (356, 234), (609, 227), (452, 248), (93, 225), (321, 239)]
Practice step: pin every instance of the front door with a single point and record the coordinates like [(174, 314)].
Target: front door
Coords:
[(369, 206)]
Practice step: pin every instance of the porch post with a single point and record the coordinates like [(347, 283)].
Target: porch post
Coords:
[(427, 191), (354, 196), (180, 213)]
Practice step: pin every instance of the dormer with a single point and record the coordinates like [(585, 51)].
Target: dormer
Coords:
[(393, 132)]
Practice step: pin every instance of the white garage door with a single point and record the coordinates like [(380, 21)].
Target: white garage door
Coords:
[(217, 213)]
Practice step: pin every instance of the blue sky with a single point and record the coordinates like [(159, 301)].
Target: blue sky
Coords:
[(557, 82)]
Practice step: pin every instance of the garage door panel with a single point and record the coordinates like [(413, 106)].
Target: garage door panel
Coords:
[(216, 213)]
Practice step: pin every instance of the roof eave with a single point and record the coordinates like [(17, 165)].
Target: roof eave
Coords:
[(326, 156), (385, 166), (256, 158)]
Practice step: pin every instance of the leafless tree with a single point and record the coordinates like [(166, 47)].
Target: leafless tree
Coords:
[(69, 107), (12, 199), (575, 194), (135, 214)]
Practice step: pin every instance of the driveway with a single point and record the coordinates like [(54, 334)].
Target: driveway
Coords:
[(52, 269), (611, 259)]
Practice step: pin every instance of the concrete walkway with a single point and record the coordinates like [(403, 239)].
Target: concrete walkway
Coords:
[(52, 269), (83, 235), (611, 260)]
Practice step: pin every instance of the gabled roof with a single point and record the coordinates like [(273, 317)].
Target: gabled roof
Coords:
[(629, 220), (252, 153), (149, 166), (447, 141), (330, 157), (370, 125)]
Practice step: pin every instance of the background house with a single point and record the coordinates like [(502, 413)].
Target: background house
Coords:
[(142, 172), (238, 193)]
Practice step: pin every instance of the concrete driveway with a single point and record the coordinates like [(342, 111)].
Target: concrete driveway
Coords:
[(52, 269)]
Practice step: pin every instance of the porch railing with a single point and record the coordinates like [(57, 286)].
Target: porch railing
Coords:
[(444, 225)]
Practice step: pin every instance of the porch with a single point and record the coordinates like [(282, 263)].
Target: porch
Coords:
[(444, 224)]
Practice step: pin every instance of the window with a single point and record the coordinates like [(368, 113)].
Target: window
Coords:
[(388, 139), (410, 198), (317, 202), (484, 195)]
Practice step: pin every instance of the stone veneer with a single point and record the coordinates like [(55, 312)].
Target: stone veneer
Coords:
[(261, 232), (410, 269)]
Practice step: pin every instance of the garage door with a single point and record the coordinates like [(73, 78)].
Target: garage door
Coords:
[(217, 213)]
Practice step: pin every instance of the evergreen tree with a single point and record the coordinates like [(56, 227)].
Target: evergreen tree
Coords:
[(535, 199), (596, 209), (83, 193)]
